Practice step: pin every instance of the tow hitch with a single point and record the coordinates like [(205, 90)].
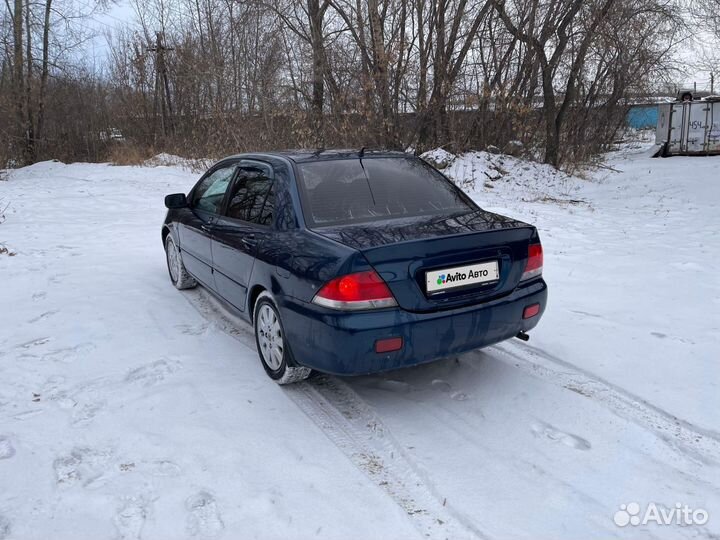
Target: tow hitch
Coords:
[(523, 336)]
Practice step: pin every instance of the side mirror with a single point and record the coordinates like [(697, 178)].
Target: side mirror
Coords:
[(176, 200)]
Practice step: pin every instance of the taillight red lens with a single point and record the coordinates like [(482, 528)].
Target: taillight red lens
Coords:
[(534, 265), (362, 290), (530, 311)]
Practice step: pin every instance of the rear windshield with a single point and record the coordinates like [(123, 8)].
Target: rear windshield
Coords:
[(340, 192)]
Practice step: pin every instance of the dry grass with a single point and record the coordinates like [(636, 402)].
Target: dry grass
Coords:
[(129, 153)]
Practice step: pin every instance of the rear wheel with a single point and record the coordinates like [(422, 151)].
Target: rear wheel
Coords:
[(178, 275), (272, 347)]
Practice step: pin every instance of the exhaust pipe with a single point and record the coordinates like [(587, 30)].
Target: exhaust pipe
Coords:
[(523, 336)]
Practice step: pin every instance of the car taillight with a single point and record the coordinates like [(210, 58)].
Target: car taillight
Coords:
[(534, 265), (362, 290)]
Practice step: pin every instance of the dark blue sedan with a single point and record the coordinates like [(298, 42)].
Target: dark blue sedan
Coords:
[(353, 262)]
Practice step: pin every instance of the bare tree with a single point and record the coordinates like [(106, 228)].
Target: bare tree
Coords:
[(208, 77), (453, 34), (549, 41)]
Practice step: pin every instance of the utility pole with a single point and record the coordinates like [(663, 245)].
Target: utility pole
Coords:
[(162, 86), (712, 83)]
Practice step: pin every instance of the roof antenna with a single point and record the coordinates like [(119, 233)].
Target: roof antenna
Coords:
[(361, 153)]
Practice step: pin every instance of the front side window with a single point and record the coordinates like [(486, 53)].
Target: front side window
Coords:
[(252, 197), (346, 191), (209, 193)]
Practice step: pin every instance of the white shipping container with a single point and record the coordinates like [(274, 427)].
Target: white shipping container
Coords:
[(689, 127)]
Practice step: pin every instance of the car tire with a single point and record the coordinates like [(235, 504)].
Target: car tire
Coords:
[(178, 274), (272, 346)]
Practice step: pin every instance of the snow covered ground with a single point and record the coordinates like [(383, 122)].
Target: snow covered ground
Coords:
[(131, 410)]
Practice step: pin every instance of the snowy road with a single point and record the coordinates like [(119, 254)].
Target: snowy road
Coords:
[(130, 410)]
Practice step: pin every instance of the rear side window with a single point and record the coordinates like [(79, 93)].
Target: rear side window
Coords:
[(252, 198), (347, 191), (209, 193)]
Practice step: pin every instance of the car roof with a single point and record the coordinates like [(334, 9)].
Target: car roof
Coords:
[(304, 156)]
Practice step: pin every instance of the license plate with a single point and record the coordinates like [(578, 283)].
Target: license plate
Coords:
[(461, 276)]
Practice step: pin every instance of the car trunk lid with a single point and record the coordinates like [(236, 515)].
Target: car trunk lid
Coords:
[(406, 252)]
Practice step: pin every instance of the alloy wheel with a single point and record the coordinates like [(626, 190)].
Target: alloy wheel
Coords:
[(173, 259), (270, 337)]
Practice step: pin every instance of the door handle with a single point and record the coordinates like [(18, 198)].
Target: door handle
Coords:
[(206, 228)]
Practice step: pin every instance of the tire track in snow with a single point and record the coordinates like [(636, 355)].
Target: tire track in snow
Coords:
[(354, 428), (350, 423), (693, 441)]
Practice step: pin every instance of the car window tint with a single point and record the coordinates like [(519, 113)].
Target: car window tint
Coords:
[(348, 191), (209, 193), (252, 196)]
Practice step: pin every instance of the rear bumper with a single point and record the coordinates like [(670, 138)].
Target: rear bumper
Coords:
[(344, 343)]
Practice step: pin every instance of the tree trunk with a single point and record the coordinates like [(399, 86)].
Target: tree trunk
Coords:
[(552, 132), (44, 71), (423, 59), (315, 13), (18, 68), (380, 72), (29, 121)]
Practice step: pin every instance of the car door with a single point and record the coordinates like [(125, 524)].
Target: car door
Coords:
[(196, 231), (239, 232)]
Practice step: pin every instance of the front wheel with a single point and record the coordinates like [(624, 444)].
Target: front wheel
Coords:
[(178, 275), (272, 347)]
